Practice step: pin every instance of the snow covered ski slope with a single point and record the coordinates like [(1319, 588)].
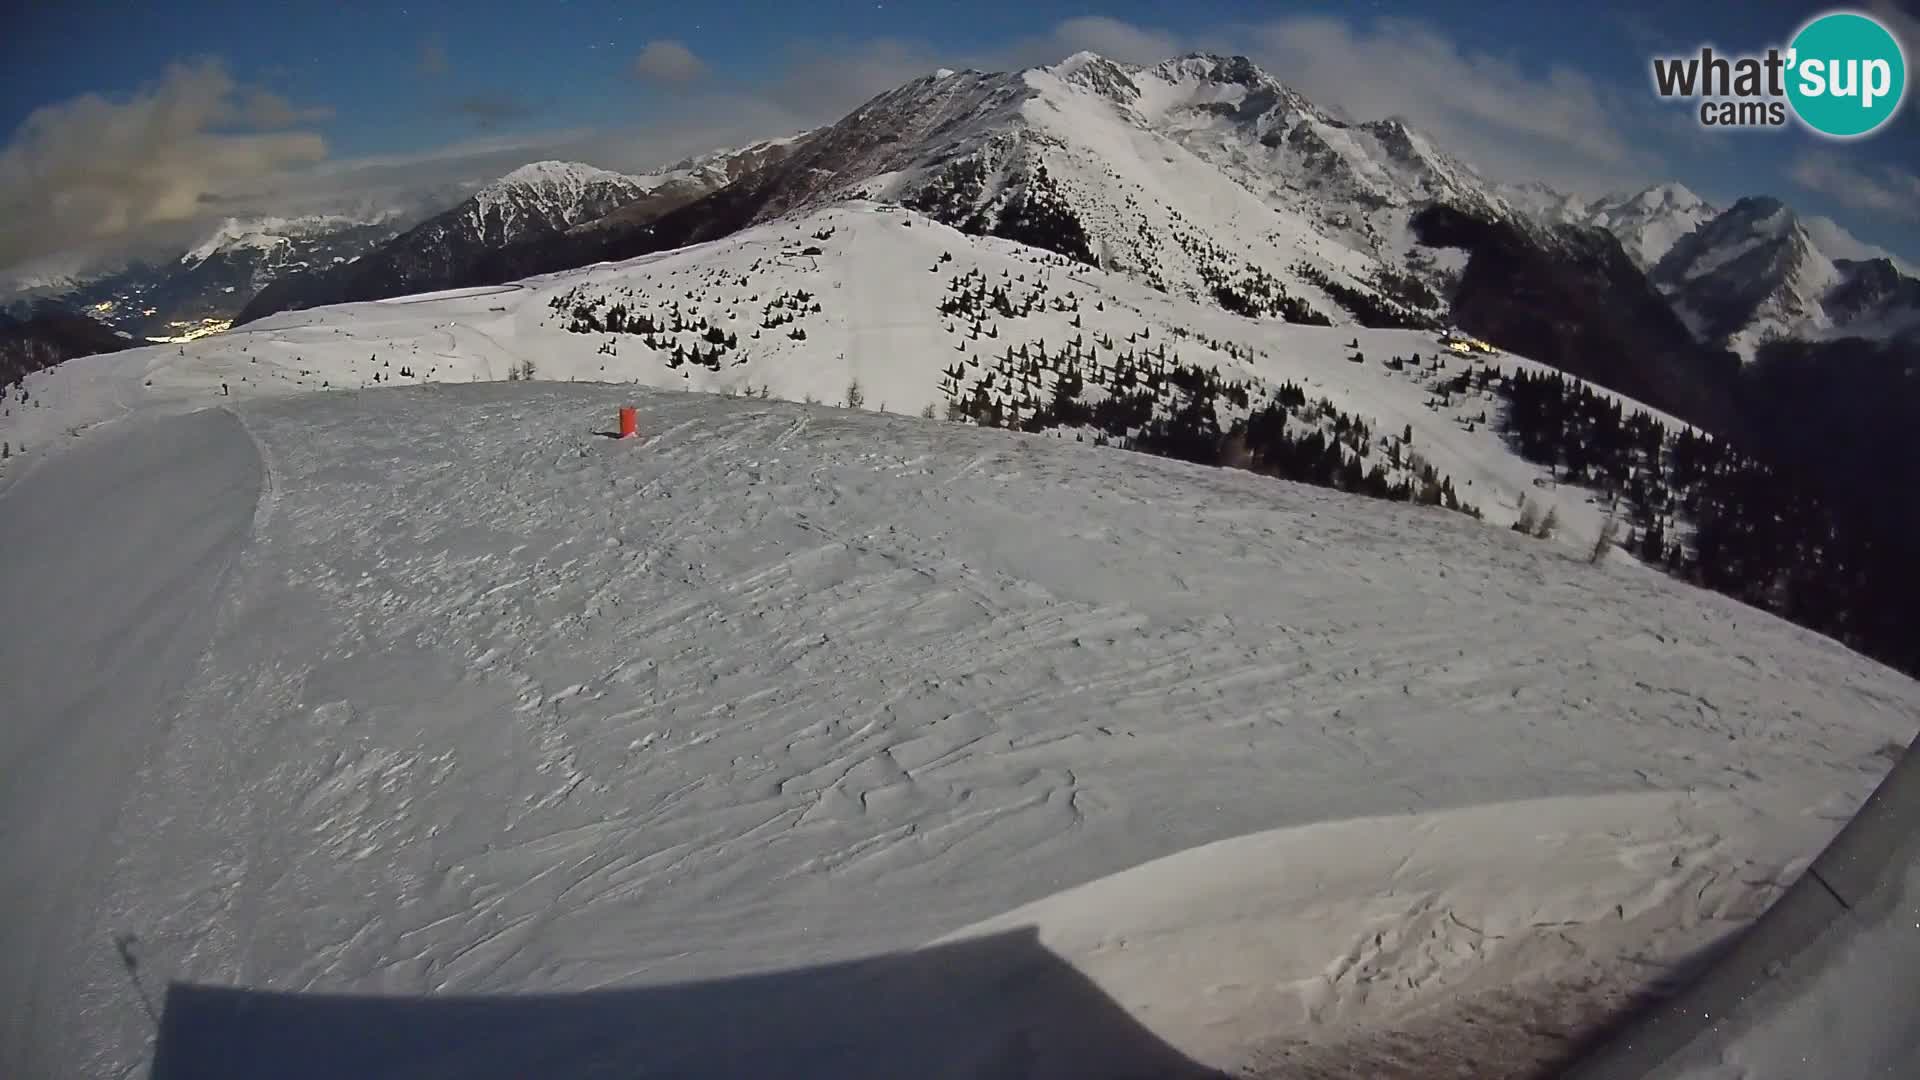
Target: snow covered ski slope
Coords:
[(487, 704)]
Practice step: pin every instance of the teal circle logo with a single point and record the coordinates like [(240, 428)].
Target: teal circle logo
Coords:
[(1846, 74)]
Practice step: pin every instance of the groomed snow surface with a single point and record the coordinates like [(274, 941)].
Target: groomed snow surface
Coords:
[(436, 697)]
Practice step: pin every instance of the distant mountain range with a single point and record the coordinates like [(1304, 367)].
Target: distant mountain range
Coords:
[(204, 287), (533, 202), (1202, 175), (1647, 224)]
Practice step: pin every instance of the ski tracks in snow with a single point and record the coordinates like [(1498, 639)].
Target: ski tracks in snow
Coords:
[(501, 705)]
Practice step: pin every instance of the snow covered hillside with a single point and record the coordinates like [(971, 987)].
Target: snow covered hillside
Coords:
[(433, 691), (1195, 174), (908, 309), (1355, 182)]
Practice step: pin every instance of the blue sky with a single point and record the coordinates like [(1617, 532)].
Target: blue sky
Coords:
[(217, 106)]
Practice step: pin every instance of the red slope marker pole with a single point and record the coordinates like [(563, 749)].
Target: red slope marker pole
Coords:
[(629, 422)]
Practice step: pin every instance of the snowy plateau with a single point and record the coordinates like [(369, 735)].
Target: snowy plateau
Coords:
[(371, 713)]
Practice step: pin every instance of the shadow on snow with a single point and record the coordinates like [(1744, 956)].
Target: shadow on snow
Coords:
[(993, 1006)]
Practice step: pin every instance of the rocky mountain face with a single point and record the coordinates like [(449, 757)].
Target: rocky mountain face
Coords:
[(535, 199), (529, 206), (1748, 274), (687, 180), (886, 136), (1354, 181), (1203, 176), (1755, 273), (1875, 299)]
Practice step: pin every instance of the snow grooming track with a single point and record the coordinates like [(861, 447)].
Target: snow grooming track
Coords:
[(497, 706), (115, 553), (269, 478)]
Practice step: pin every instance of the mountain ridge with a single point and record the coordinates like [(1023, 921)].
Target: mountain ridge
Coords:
[(1076, 157), (534, 201), (1757, 273), (1202, 175)]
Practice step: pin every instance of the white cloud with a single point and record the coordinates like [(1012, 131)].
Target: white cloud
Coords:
[(92, 171), (1556, 125), (1884, 190), (1114, 39), (1904, 26), (1833, 239), (668, 61), (823, 80)]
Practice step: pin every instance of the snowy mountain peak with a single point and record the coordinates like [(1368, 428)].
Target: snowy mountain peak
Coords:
[(1099, 74), (1760, 214), (1647, 223), (1669, 197), (1749, 274), (545, 195), (552, 175), (717, 168), (1759, 230), (1072, 64), (1211, 67), (1549, 204), (1650, 223), (235, 233), (267, 234), (1400, 141)]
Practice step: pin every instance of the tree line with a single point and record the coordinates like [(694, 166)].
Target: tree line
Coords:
[(1713, 515), (1152, 404)]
